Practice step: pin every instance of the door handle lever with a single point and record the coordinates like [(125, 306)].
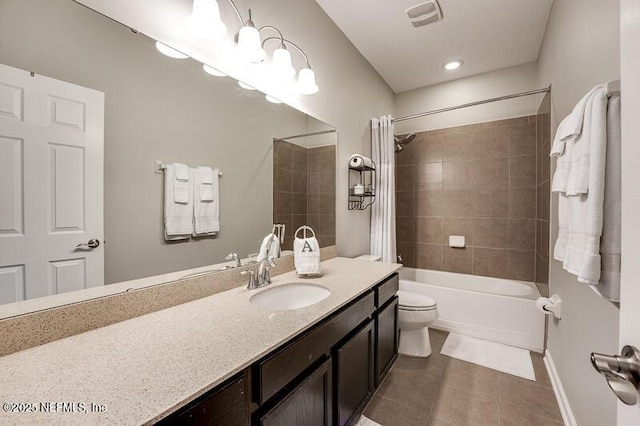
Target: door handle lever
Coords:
[(91, 244), (622, 373)]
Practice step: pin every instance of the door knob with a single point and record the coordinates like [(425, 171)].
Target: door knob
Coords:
[(622, 373), (91, 244)]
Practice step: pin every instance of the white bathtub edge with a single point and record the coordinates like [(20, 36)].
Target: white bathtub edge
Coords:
[(563, 402)]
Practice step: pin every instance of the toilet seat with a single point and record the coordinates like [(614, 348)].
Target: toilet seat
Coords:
[(409, 301)]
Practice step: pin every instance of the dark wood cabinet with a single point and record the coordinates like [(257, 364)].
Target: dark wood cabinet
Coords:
[(386, 330), (353, 373), (309, 403), (226, 405)]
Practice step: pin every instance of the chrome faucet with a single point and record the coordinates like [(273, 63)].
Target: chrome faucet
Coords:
[(234, 256), (261, 277)]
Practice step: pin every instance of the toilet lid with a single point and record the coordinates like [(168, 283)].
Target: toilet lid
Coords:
[(408, 299)]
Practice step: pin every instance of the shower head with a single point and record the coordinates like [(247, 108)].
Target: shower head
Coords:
[(401, 141)]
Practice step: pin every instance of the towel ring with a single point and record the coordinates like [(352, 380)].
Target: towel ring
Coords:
[(304, 229)]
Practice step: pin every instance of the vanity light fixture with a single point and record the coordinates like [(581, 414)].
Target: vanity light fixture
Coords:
[(169, 51), (204, 21), (453, 65), (212, 71), (249, 42), (306, 83)]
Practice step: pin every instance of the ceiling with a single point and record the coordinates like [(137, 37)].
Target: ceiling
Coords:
[(487, 35)]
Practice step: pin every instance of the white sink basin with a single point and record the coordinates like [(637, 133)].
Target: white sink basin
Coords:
[(290, 296)]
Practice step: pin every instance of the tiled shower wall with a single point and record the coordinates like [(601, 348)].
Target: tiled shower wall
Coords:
[(478, 181), (543, 144), (304, 187)]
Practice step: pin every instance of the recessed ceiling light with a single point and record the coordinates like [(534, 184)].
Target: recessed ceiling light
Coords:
[(453, 65), (170, 52)]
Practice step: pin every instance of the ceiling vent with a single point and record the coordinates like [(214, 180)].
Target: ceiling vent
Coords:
[(424, 13)]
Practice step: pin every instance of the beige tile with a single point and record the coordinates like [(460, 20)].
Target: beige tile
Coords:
[(491, 203), (522, 234), (428, 203), (522, 203), (490, 262), (428, 176), (473, 378), (492, 173), (314, 183), (521, 265), (285, 180), (427, 148), (491, 142), (542, 272), (299, 159), (522, 139), (285, 203), (416, 392), (391, 413), (406, 229), (407, 251), (457, 259), (430, 368), (297, 220), (522, 172), (434, 421), (285, 156), (405, 203), (299, 204), (521, 399), (457, 226), (428, 230), (313, 161), (327, 203), (428, 256), (299, 183), (493, 233), (406, 157), (457, 203), (405, 178), (544, 201), (457, 147), (458, 175)]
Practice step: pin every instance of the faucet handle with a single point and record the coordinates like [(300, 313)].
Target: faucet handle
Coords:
[(252, 285)]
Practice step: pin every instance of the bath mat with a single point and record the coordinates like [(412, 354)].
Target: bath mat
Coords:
[(363, 421), (493, 355)]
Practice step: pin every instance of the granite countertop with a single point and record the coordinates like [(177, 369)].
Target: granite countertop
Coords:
[(140, 370)]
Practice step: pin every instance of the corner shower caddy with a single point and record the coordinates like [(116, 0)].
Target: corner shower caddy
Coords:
[(365, 176)]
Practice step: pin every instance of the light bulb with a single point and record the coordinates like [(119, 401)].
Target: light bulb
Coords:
[(307, 82), (212, 71), (170, 52), (453, 65), (205, 21), (281, 63)]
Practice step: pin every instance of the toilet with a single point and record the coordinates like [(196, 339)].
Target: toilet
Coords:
[(415, 314)]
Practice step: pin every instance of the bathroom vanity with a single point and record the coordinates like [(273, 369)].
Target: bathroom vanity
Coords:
[(223, 360)]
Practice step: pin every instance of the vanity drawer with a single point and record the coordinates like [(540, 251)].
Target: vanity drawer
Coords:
[(387, 290), (277, 370)]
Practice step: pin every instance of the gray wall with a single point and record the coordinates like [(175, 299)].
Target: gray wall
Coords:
[(156, 109), (581, 49)]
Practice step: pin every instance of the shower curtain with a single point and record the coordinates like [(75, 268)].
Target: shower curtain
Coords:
[(382, 240)]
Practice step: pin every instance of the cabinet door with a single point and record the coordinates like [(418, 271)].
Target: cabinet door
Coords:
[(227, 405), (353, 364), (309, 404), (386, 338)]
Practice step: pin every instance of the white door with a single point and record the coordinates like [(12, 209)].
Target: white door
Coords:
[(51, 176), (630, 271)]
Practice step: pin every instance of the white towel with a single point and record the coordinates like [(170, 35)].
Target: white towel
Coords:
[(580, 216), (178, 216), (610, 243), (206, 207), (270, 247), (205, 185), (572, 143), (306, 254), (181, 183)]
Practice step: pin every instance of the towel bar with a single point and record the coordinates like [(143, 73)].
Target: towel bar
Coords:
[(160, 167)]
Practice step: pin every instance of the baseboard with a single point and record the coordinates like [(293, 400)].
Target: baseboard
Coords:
[(565, 409)]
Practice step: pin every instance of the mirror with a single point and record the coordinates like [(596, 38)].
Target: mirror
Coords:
[(155, 109)]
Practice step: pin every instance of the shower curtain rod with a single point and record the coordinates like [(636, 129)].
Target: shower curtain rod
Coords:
[(323, 132), (470, 104)]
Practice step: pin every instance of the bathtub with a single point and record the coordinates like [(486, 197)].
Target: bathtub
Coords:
[(488, 308)]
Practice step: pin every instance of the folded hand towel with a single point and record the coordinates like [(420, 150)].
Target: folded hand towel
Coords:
[(206, 207), (306, 253), (178, 216), (181, 183), (205, 183)]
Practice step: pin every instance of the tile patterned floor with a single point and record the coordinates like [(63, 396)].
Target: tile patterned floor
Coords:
[(443, 391)]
